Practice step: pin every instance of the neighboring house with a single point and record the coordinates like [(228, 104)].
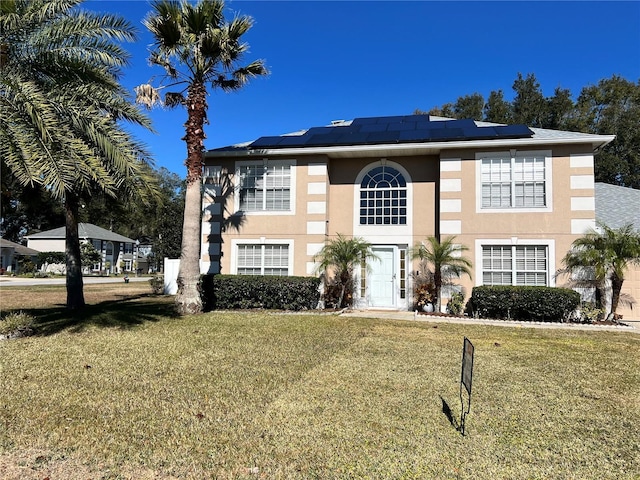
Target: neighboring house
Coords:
[(10, 255), (119, 253), (517, 197), (616, 207)]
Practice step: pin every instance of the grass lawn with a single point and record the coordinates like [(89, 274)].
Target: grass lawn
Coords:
[(128, 391)]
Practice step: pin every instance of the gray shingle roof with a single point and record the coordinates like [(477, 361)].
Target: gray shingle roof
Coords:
[(617, 206), (19, 249), (85, 230)]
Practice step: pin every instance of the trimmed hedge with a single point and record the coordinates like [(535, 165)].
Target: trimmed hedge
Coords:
[(539, 304), (231, 292)]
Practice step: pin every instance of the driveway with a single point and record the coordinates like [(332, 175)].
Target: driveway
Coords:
[(7, 281)]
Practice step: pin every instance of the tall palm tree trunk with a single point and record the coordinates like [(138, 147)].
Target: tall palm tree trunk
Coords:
[(188, 300), (75, 294)]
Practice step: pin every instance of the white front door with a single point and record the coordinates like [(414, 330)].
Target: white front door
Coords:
[(382, 278)]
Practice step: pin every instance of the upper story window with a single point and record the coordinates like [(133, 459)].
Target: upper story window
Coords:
[(265, 186), (516, 180), (383, 197)]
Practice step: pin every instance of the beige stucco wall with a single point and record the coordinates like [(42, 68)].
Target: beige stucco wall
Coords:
[(303, 229), (46, 245), (559, 226), (631, 286), (344, 175)]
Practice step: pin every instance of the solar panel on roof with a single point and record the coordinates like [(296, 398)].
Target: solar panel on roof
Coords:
[(327, 139), (446, 133), (364, 121), (415, 135), (401, 126), (354, 138), (392, 129), (373, 127), (422, 125), (383, 137), (293, 140), (320, 130), (393, 119), (266, 142)]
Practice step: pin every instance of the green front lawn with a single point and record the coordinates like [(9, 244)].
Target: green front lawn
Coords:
[(259, 395)]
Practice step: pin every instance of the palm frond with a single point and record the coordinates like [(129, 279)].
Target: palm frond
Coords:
[(61, 100), (147, 95)]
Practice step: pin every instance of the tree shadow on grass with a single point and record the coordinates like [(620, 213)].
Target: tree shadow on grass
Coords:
[(127, 311)]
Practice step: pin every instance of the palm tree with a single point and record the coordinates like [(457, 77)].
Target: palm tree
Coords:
[(196, 46), (343, 255), (444, 260), (604, 256), (62, 109)]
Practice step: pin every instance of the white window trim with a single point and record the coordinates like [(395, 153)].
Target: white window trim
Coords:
[(548, 173), (260, 241), (515, 241), (266, 161), (391, 231)]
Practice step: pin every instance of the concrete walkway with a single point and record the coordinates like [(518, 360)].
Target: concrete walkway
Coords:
[(626, 326)]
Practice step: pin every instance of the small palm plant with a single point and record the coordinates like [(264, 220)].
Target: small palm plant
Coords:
[(444, 260), (343, 255), (604, 256)]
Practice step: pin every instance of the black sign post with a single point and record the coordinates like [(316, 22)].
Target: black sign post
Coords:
[(465, 379)]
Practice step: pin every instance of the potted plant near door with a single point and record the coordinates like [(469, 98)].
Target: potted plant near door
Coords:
[(425, 295)]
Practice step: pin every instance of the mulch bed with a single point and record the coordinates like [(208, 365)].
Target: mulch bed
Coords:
[(604, 323)]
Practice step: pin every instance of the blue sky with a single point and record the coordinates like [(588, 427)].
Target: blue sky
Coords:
[(335, 60)]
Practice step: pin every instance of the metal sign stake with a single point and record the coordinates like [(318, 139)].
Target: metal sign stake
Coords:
[(466, 378)]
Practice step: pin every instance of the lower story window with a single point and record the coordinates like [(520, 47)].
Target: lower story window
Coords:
[(515, 265), (263, 260)]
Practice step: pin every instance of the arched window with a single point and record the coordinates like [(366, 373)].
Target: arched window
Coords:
[(383, 197)]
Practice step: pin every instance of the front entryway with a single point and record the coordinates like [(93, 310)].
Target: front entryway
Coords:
[(382, 278)]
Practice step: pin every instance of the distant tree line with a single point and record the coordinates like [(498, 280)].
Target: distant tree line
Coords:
[(32, 209), (612, 107)]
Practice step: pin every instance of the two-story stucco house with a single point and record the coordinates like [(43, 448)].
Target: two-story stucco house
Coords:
[(517, 197), (118, 253)]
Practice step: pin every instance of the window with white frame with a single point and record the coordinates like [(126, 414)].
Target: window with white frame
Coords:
[(263, 259), (383, 197), (515, 265), (514, 181), (265, 186)]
